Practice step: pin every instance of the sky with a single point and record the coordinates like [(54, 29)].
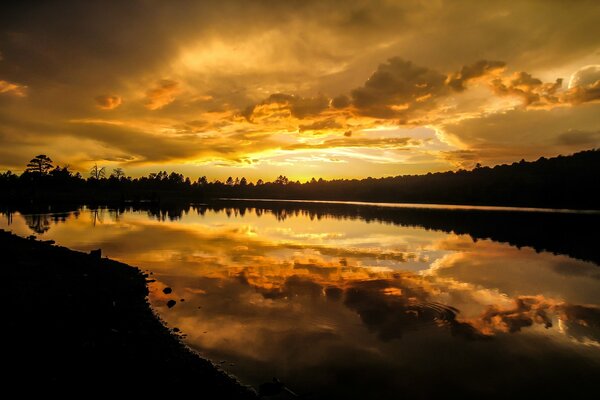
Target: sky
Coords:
[(331, 89)]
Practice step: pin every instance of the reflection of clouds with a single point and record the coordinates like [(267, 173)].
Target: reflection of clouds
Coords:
[(391, 311), (325, 307), (581, 323), (258, 280), (523, 272)]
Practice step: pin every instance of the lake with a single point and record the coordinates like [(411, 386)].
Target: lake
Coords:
[(365, 301)]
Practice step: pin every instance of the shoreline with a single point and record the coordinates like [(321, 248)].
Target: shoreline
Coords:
[(75, 320)]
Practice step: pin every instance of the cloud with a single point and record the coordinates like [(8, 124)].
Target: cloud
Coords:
[(467, 73), (321, 125), (393, 307), (397, 87), (523, 133), (298, 107), (526, 312), (162, 94), (532, 91), (347, 141), (341, 101), (580, 138), (12, 88), (580, 322), (585, 76), (584, 94), (584, 85), (400, 89), (108, 102), (462, 158)]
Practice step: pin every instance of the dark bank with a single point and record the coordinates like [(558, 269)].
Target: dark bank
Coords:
[(76, 320)]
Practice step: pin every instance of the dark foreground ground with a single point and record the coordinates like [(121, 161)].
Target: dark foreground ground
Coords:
[(78, 322)]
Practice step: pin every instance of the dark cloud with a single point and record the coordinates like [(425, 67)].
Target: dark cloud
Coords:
[(299, 107), (391, 308), (580, 138), (341, 101), (324, 124), (584, 315), (397, 86)]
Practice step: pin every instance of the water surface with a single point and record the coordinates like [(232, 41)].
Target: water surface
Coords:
[(340, 301)]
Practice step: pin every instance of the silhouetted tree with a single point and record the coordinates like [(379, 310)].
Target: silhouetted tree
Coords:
[(229, 181), (40, 164), (243, 181), (59, 172), (202, 180), (97, 173), (118, 173), (281, 180), (176, 178)]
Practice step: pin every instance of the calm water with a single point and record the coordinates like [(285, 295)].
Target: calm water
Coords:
[(347, 301)]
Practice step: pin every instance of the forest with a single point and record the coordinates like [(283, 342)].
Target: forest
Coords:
[(559, 182)]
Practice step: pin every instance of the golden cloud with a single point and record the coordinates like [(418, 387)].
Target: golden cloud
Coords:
[(162, 94), (532, 91), (12, 88), (108, 102), (347, 141)]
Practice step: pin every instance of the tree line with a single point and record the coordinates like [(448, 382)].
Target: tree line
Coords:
[(558, 182)]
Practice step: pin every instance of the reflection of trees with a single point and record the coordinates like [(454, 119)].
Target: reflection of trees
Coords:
[(564, 233), (39, 223), (9, 217), (572, 234), (97, 216), (173, 213)]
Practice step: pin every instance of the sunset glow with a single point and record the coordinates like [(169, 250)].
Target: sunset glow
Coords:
[(305, 89)]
